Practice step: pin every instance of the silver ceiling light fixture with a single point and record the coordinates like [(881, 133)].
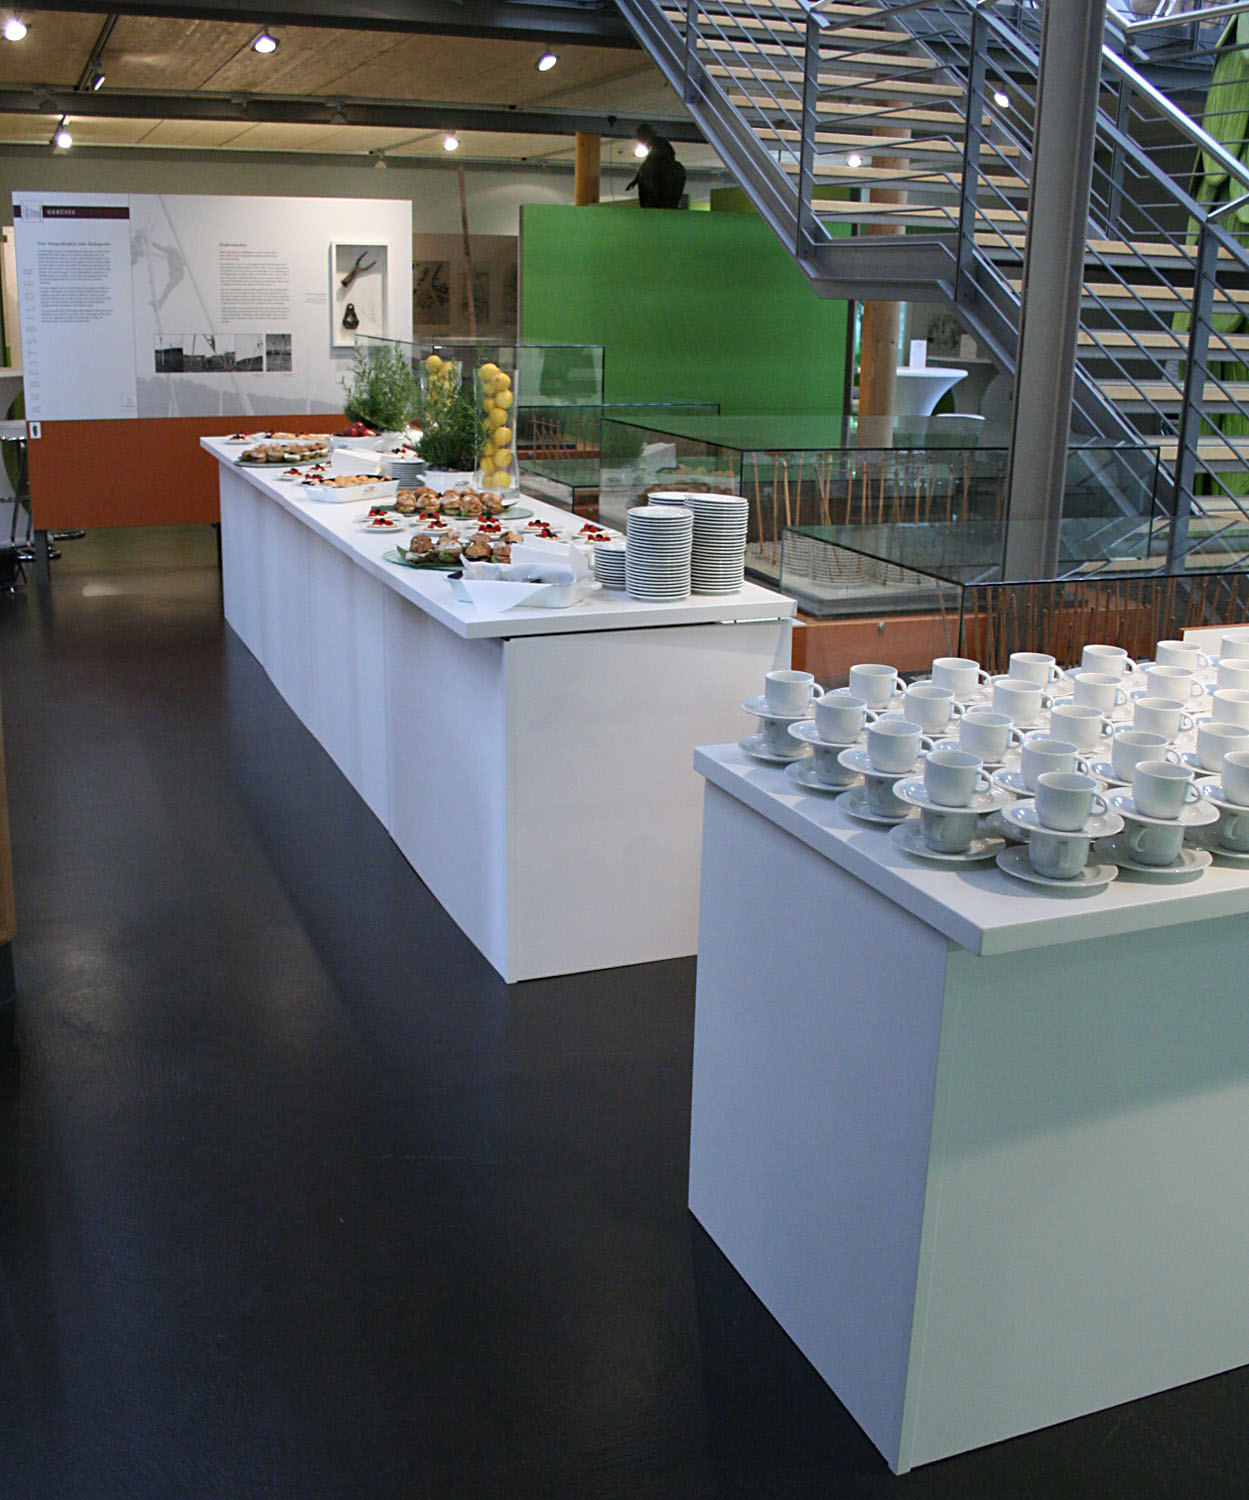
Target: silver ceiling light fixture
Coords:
[(14, 29), (97, 81), (450, 141), (265, 42), (62, 139), (547, 61)]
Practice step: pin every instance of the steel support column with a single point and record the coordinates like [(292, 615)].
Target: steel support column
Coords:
[(1049, 320)]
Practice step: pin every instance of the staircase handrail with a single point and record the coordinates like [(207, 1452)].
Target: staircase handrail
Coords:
[(1183, 18)]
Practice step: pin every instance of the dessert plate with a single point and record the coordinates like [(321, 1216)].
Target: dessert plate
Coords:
[(910, 839), (1188, 866), (1015, 863)]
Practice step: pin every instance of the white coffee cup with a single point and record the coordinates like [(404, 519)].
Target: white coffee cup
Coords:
[(1161, 716), (947, 830), (1232, 830), (1235, 643), (1235, 777), (987, 734), (1131, 746), (875, 683), (1042, 752), (1152, 843), (840, 717), (930, 706), (1233, 673), (960, 674), (1058, 856), (790, 692), (826, 767), (1215, 739), (1180, 654), (777, 739), (1081, 723), (1065, 800), (894, 744), (1100, 690), (878, 790), (1033, 666), (1176, 683), (1231, 705), (953, 777), (1113, 660), (1023, 701), (1160, 788)]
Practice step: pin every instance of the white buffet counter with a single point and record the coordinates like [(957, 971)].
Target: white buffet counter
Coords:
[(529, 763), (982, 1151)]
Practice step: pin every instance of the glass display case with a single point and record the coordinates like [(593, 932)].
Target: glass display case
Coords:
[(946, 579), (814, 471)]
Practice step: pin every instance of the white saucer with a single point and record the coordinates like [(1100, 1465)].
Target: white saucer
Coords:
[(912, 791), (989, 765), (854, 758), (1023, 815), (1191, 815), (1015, 862), (1208, 839), (803, 772), (1104, 771), (806, 731), (1189, 758), (759, 707), (1011, 781), (910, 839), (754, 746), (1188, 866), (854, 803), (1213, 791)]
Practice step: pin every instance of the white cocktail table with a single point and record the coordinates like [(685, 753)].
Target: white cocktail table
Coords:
[(982, 1151)]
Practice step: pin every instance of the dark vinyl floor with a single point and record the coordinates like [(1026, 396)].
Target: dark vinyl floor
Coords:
[(297, 1199)]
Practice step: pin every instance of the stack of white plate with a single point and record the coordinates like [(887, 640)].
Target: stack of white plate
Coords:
[(609, 564), (719, 560), (408, 471), (658, 546)]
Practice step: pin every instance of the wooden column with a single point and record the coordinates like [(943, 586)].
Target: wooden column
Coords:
[(585, 172), (878, 339)]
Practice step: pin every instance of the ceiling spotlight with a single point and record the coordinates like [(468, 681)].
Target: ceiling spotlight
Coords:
[(546, 62), (854, 160), (641, 151), (14, 29), (1001, 99), (379, 161), (450, 141), (265, 43), (97, 81), (62, 138)]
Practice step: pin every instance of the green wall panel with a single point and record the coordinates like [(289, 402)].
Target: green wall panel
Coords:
[(689, 307)]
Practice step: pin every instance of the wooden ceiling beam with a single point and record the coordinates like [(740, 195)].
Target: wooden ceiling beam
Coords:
[(254, 109), (588, 25)]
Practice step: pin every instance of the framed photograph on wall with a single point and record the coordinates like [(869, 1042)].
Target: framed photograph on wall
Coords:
[(358, 279)]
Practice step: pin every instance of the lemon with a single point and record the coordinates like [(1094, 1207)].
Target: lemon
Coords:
[(433, 364), (496, 418), (487, 464), (488, 371), (503, 458), (488, 405), (504, 380), (502, 435), (503, 400)]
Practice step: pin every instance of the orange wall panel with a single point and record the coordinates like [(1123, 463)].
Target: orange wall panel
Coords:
[(137, 473)]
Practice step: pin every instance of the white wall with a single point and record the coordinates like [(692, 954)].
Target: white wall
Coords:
[(494, 194)]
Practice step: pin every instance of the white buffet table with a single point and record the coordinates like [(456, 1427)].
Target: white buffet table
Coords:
[(982, 1151), (529, 763)]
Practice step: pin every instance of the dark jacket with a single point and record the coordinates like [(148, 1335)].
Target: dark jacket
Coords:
[(661, 178)]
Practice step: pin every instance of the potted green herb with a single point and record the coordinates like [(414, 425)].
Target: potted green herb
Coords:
[(381, 393), (451, 426)]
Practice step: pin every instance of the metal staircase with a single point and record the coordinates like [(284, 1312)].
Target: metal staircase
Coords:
[(890, 146)]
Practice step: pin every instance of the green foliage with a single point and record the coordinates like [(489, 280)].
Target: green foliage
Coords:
[(382, 389), (452, 428)]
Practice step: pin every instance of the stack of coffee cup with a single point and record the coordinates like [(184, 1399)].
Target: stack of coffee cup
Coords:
[(1214, 740), (787, 698), (892, 752), (1067, 813), (839, 721), (1230, 795), (989, 735), (1164, 802), (954, 791)]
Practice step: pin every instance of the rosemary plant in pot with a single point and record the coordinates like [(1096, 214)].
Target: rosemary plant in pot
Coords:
[(451, 426), (381, 397)]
